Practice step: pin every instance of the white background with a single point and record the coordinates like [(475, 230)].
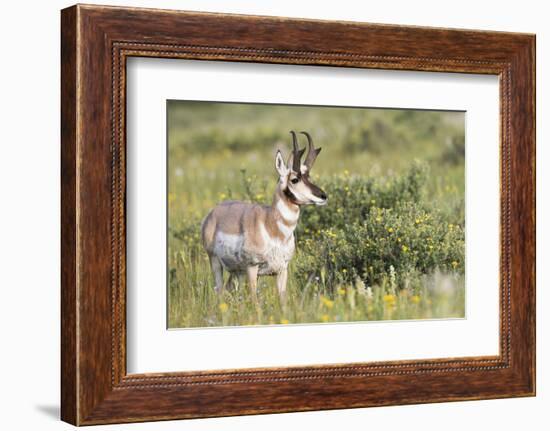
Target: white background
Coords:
[(151, 348), (29, 220)]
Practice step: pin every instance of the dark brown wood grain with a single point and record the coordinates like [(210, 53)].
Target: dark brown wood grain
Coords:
[(68, 217), (95, 42)]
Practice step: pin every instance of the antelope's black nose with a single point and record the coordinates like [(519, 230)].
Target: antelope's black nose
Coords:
[(323, 196)]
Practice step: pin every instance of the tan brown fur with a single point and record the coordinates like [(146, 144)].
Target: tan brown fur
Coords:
[(253, 239)]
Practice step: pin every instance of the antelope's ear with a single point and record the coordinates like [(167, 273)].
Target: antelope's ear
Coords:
[(280, 164)]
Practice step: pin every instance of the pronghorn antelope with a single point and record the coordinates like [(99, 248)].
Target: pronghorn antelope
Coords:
[(253, 239)]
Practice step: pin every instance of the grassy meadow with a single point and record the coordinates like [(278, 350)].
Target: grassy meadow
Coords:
[(389, 245)]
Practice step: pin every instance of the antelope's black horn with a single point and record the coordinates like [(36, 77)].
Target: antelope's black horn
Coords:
[(296, 153), (312, 152)]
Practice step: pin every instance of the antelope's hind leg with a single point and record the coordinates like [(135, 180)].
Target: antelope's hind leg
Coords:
[(217, 270), (232, 282)]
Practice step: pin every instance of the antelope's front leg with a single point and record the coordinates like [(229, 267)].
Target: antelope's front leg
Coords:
[(281, 283), (252, 275)]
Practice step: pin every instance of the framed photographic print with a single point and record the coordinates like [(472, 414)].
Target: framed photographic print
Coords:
[(211, 250)]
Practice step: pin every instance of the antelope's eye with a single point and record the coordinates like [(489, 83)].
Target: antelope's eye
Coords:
[(294, 180)]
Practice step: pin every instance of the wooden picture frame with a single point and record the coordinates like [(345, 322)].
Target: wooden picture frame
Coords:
[(96, 41)]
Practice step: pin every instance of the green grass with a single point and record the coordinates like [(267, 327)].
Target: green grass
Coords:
[(390, 244)]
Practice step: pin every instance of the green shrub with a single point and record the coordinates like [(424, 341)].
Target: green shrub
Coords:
[(372, 227), (405, 238)]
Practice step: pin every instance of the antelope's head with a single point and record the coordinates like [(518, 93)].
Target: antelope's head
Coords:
[(294, 176)]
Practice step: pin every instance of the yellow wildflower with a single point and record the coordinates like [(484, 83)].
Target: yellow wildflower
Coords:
[(415, 299), (327, 302), (379, 218), (223, 307), (454, 263), (389, 299), (341, 291), (325, 318), (404, 248), (390, 229), (284, 322)]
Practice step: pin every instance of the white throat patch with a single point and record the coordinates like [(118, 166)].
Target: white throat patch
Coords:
[(287, 213)]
